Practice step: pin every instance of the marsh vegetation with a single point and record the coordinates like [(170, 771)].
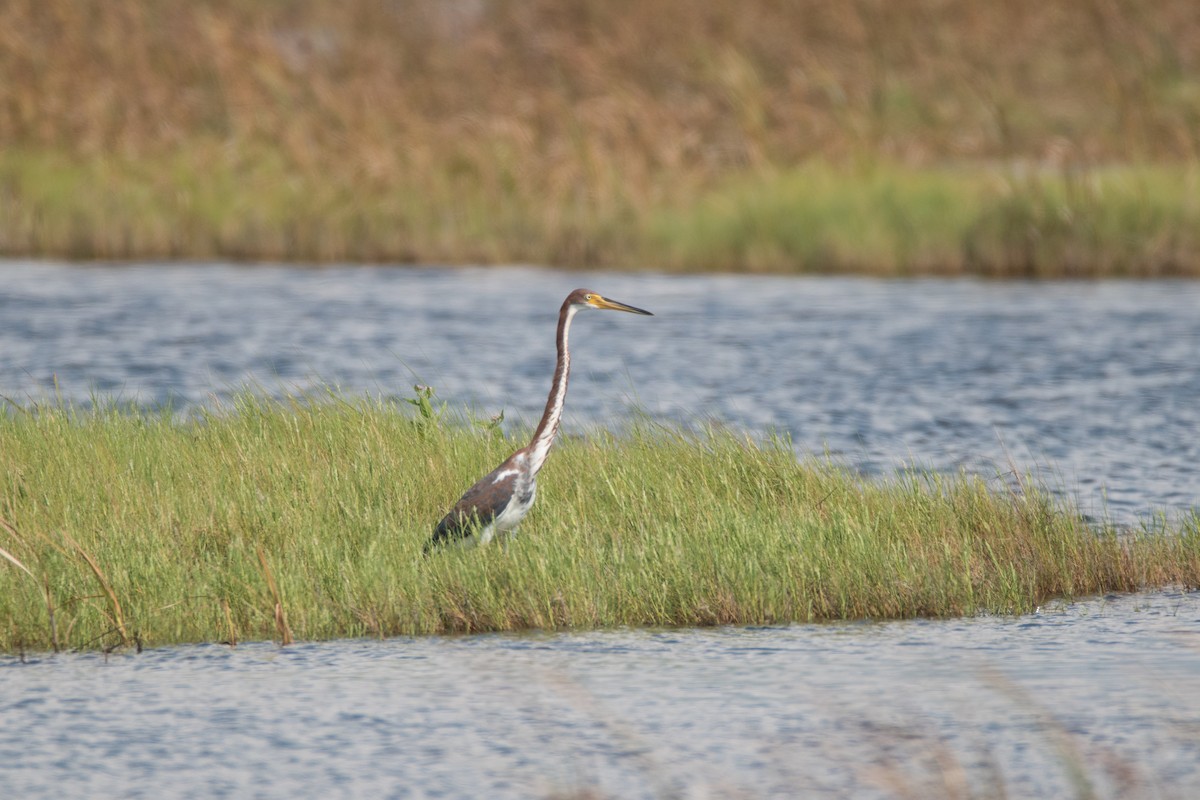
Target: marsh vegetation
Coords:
[(878, 137), (305, 519)]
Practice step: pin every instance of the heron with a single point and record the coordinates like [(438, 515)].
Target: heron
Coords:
[(498, 501)]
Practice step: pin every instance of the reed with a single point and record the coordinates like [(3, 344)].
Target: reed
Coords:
[(306, 518), (579, 133), (884, 219)]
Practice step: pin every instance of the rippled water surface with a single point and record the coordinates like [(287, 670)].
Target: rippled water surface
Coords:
[(1005, 706), (1096, 385)]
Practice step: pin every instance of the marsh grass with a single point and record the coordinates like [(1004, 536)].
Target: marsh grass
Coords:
[(881, 219), (886, 219), (869, 136), (305, 518)]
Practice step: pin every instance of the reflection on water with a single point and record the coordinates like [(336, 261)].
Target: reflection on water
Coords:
[(1093, 383), (1112, 686)]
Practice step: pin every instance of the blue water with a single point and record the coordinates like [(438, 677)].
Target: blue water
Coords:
[(1093, 386), (1012, 705)]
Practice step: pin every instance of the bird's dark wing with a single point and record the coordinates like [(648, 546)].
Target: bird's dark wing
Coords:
[(481, 504)]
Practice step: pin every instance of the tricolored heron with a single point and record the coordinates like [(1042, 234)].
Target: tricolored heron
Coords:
[(500, 500)]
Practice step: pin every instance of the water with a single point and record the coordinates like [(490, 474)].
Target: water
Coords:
[(1111, 687), (1095, 385)]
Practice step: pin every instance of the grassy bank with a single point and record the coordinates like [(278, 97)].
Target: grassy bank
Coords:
[(994, 221), (886, 137), (306, 520), (882, 219)]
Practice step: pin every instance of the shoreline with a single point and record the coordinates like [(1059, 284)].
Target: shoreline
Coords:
[(884, 220)]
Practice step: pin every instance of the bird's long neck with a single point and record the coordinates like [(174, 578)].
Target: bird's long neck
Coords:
[(543, 437)]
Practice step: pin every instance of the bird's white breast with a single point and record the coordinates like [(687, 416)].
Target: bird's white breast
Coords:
[(524, 490)]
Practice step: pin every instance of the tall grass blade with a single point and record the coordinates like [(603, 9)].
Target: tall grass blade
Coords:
[(118, 616), (13, 559), (281, 623), (232, 636)]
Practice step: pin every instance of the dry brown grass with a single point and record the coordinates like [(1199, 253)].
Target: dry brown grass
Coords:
[(493, 130)]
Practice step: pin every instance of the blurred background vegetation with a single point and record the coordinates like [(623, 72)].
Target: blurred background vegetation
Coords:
[(1023, 138)]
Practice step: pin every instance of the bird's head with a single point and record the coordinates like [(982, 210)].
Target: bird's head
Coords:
[(590, 299)]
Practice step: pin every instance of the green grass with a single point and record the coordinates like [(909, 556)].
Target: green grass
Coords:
[(883, 219), (246, 203), (306, 519)]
